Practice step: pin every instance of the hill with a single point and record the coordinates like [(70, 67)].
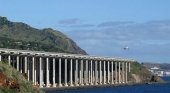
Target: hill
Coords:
[(19, 35), (161, 66), (12, 81), (140, 74)]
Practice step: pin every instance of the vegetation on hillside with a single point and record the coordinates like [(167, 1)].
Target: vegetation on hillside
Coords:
[(143, 74), (22, 36), (14, 82)]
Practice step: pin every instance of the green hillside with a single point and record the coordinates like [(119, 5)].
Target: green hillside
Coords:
[(12, 81), (22, 36)]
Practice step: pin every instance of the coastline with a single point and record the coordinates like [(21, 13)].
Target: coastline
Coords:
[(98, 86)]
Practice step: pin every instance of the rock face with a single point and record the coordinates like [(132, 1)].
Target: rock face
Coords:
[(2, 79), (140, 74), (22, 36), (7, 83)]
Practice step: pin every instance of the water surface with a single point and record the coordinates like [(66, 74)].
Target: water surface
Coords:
[(146, 88)]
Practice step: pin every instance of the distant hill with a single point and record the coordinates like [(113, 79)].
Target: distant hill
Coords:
[(19, 35), (162, 66)]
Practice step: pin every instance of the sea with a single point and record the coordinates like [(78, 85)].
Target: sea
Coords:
[(145, 88)]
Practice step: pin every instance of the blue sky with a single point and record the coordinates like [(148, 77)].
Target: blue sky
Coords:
[(102, 27)]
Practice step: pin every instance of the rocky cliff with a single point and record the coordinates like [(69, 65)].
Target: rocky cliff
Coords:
[(140, 74)]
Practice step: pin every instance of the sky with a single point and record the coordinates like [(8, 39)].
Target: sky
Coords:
[(102, 27)]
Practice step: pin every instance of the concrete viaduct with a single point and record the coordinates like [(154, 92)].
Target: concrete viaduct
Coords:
[(50, 69)]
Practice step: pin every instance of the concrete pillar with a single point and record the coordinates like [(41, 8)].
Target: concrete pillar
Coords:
[(96, 77), (93, 76), (21, 62), (126, 73), (47, 72), (86, 75), (76, 73), (25, 70), (119, 74), (35, 71), (116, 72), (13, 62), (60, 72), (9, 59), (100, 72), (54, 85), (71, 72), (41, 74), (65, 73), (123, 72), (104, 71), (91, 72), (112, 73), (0, 57), (17, 63), (28, 69), (81, 78), (108, 72), (35, 77), (33, 61), (89, 75), (129, 66)]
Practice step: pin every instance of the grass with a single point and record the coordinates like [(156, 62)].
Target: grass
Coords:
[(12, 74)]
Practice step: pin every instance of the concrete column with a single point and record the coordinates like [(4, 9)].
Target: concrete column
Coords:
[(129, 66), (100, 72), (54, 85), (89, 75), (9, 59), (104, 70), (112, 73), (25, 70), (17, 63), (41, 74), (116, 72), (96, 73), (0, 57), (123, 72), (60, 72), (81, 78), (86, 75), (93, 76), (13, 62), (76, 73), (91, 72), (35, 72), (35, 77), (108, 72), (119, 74), (28, 69), (71, 72), (21, 62), (79, 73), (33, 59), (47, 72), (66, 72), (126, 73)]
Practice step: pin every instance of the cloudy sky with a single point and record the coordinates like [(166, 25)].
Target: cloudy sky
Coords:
[(102, 27)]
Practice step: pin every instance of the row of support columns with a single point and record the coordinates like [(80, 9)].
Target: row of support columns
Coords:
[(49, 71)]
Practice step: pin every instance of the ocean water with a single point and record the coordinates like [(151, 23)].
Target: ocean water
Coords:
[(146, 88)]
